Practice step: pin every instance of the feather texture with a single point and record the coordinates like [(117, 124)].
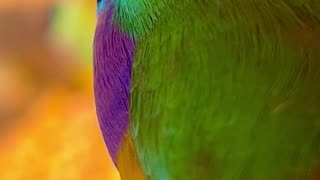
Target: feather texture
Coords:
[(224, 89)]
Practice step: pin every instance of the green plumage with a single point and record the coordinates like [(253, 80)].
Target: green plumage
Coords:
[(220, 91)]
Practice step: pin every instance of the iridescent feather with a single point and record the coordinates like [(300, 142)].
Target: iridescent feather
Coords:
[(218, 89)]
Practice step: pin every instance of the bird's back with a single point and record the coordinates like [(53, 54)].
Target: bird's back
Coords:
[(225, 89)]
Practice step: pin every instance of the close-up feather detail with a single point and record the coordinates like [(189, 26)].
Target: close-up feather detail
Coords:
[(210, 89)]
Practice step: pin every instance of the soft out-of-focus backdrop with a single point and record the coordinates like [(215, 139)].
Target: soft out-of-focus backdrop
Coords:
[(48, 127)]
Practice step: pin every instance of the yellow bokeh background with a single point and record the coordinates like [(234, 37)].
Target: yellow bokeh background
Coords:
[(48, 126)]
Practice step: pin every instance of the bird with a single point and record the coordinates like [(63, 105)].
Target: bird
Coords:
[(209, 89)]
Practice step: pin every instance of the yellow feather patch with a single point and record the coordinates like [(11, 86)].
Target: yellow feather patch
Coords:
[(128, 165)]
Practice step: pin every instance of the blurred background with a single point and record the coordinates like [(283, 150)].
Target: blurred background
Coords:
[(48, 126)]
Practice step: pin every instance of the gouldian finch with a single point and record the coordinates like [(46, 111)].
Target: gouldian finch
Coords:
[(209, 89)]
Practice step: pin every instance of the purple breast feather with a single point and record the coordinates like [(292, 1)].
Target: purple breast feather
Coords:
[(113, 57)]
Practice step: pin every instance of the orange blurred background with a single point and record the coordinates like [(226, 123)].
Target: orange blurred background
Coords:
[(48, 126)]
